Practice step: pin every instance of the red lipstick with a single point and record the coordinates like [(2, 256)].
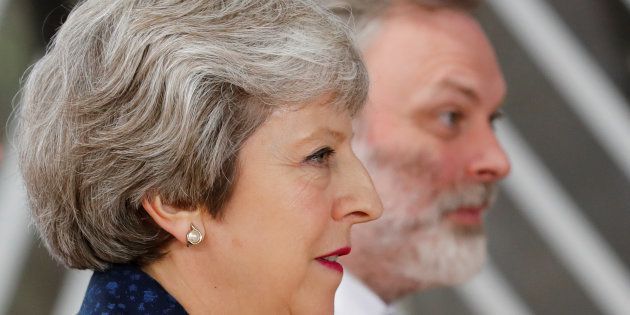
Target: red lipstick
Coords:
[(330, 260)]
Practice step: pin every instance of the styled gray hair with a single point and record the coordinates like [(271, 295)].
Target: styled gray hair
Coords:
[(139, 98), (364, 15)]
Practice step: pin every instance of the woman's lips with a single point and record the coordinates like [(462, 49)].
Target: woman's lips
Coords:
[(330, 260)]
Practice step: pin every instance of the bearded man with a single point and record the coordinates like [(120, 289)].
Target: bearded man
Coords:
[(426, 137)]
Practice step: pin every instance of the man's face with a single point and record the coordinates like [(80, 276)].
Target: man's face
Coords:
[(426, 137)]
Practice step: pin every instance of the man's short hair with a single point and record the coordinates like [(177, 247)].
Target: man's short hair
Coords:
[(363, 15)]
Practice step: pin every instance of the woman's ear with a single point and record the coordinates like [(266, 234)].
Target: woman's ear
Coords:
[(176, 221)]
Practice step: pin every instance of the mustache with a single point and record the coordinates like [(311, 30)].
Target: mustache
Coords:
[(470, 195), (464, 196)]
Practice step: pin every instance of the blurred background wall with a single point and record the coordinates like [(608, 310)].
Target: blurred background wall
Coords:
[(560, 232)]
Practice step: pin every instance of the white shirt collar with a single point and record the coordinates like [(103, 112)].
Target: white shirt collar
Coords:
[(355, 298)]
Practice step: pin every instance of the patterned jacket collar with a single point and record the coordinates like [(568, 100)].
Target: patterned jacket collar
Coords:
[(126, 289)]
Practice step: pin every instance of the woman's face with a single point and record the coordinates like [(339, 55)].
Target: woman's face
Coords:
[(298, 192)]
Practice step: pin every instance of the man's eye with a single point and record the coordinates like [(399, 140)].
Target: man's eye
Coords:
[(320, 157), (451, 118)]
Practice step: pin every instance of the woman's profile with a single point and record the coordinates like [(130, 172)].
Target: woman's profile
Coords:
[(196, 154)]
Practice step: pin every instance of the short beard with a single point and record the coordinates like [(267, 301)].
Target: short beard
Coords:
[(415, 247), (434, 252), (444, 257)]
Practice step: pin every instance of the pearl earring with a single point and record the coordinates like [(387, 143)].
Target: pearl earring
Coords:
[(194, 237)]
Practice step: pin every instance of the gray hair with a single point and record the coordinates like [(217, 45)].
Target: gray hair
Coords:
[(139, 98), (364, 15)]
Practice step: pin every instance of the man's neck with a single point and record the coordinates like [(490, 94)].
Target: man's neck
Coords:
[(387, 283), (354, 297)]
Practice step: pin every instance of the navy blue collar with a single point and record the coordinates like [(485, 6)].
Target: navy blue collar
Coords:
[(126, 289)]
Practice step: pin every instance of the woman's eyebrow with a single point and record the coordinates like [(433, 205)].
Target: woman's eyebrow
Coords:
[(322, 132)]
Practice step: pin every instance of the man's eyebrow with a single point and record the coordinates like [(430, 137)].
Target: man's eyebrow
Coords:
[(460, 86)]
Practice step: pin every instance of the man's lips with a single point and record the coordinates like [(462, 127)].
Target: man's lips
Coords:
[(330, 260), (466, 215)]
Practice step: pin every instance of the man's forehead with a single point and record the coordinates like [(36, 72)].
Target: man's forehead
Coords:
[(437, 25)]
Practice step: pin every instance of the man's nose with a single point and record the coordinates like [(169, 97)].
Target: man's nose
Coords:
[(489, 162), (356, 200)]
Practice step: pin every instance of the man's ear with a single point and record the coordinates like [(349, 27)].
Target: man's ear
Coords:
[(175, 221)]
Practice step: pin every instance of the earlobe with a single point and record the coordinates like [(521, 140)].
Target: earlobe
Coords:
[(184, 224)]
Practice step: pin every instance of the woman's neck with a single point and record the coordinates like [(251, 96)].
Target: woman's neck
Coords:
[(203, 288)]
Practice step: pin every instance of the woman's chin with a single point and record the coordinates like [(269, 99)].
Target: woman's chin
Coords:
[(316, 296), (315, 306)]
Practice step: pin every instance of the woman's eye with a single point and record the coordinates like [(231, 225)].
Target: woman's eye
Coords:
[(451, 118), (320, 157)]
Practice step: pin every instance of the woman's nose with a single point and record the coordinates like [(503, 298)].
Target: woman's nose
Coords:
[(356, 200)]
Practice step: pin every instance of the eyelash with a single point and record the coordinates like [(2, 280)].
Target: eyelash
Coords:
[(320, 157)]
